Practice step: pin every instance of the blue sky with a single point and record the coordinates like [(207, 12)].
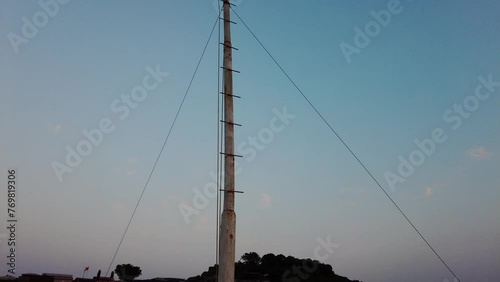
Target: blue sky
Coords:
[(300, 186)]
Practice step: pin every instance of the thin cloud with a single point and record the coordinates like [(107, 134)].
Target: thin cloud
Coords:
[(352, 204), (131, 161), (57, 128), (265, 201), (429, 191), (118, 206), (479, 153), (202, 225)]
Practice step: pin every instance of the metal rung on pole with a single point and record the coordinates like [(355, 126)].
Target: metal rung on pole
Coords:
[(231, 155), (228, 21), (237, 124), (230, 70), (235, 96), (229, 46), (230, 191)]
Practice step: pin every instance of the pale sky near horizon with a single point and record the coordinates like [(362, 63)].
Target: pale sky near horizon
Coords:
[(301, 184)]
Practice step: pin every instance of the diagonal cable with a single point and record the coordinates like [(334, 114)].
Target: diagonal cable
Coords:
[(163, 146), (345, 145)]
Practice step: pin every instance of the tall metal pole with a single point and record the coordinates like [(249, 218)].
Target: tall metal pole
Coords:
[(228, 223)]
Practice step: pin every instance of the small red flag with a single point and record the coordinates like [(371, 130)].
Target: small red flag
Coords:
[(86, 268)]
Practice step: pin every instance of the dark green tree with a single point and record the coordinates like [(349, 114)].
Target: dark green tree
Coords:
[(251, 258), (127, 272), (268, 260)]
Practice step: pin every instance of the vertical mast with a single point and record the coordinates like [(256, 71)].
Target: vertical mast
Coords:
[(228, 224)]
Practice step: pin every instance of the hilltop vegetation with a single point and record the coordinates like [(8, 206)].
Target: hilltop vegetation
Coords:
[(277, 268)]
